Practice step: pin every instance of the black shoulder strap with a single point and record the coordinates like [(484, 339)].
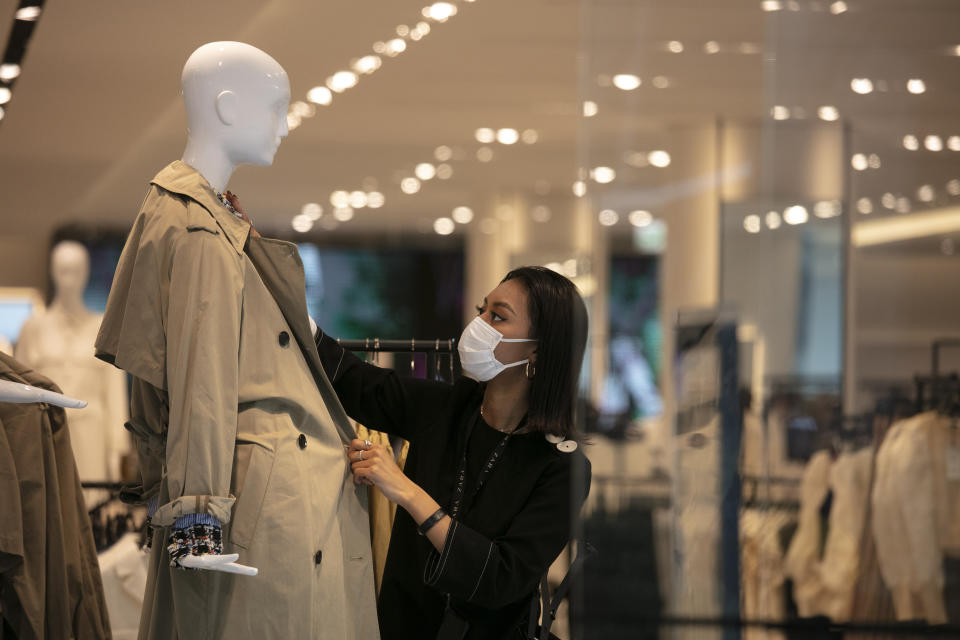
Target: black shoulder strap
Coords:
[(551, 604)]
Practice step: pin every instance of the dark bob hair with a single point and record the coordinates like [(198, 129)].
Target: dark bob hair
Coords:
[(558, 319)]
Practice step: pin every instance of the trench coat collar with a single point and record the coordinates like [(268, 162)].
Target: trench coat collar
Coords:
[(180, 178)]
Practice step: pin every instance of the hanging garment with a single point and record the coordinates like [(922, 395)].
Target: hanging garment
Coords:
[(124, 570), (905, 522), (803, 556), (236, 419), (943, 434), (697, 564), (840, 564), (382, 511), (762, 569), (50, 586)]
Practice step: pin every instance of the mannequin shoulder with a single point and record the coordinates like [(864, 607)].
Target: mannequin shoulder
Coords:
[(165, 212)]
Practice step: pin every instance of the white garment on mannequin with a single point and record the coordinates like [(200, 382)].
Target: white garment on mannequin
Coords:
[(58, 343)]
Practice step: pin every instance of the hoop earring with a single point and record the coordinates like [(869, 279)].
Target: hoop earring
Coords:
[(527, 368)]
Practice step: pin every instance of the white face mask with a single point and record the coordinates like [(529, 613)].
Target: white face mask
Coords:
[(476, 347)]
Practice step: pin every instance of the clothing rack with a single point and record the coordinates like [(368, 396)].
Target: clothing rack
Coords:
[(433, 348), (430, 345)]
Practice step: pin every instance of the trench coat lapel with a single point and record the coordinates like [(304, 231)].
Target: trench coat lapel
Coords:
[(278, 263)]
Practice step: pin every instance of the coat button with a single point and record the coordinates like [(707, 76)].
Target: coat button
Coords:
[(302, 441), (318, 557), (284, 338)]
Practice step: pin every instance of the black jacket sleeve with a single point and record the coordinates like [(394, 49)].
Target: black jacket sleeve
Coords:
[(495, 573), (378, 398)]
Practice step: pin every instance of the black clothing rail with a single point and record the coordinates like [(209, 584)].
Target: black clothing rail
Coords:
[(429, 345)]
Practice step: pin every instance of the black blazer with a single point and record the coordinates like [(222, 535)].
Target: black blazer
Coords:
[(503, 541)]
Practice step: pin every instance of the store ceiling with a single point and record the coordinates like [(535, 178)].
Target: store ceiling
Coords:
[(96, 111)]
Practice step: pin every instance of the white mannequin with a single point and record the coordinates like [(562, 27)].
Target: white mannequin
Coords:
[(236, 98), (59, 344)]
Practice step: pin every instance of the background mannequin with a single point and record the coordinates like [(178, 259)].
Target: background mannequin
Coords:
[(58, 343)]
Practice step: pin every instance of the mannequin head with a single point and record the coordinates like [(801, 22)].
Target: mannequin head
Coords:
[(69, 270), (236, 98)]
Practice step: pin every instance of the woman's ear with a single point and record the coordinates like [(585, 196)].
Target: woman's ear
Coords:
[(533, 356)]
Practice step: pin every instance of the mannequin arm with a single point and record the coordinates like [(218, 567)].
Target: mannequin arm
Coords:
[(21, 393)]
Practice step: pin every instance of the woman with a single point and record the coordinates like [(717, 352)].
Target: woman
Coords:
[(488, 490)]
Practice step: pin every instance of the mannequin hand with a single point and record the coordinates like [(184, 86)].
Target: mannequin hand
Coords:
[(225, 563), (16, 392), (235, 203), (378, 468)]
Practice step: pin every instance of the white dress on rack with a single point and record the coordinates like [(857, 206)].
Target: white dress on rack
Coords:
[(905, 522)]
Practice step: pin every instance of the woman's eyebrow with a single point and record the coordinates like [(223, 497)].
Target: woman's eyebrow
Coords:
[(505, 305)]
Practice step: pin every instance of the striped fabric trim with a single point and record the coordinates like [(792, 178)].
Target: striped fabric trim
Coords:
[(191, 519)]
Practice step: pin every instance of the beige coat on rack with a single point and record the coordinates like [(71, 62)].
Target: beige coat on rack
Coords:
[(236, 418)]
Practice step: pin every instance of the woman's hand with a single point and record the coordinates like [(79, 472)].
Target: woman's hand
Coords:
[(374, 465)]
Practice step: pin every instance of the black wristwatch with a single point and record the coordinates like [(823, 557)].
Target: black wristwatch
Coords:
[(427, 524)]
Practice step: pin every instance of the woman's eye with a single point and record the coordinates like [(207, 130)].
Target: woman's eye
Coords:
[(496, 317)]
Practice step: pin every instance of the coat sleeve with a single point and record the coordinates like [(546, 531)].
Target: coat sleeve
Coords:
[(378, 398), (493, 573), (202, 344)]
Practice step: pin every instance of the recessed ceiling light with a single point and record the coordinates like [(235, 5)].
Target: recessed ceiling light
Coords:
[(603, 175), (608, 217), (312, 210), (626, 81), (828, 112), (507, 136), (796, 214), (342, 80), (640, 218), (302, 223), (659, 158), (916, 86), (838, 7), (862, 86), (28, 14), (462, 215), (340, 199), (375, 200), (425, 171), (443, 226), (485, 135), (9, 72), (751, 224)]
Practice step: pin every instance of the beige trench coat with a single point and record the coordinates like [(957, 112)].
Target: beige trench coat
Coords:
[(234, 417)]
